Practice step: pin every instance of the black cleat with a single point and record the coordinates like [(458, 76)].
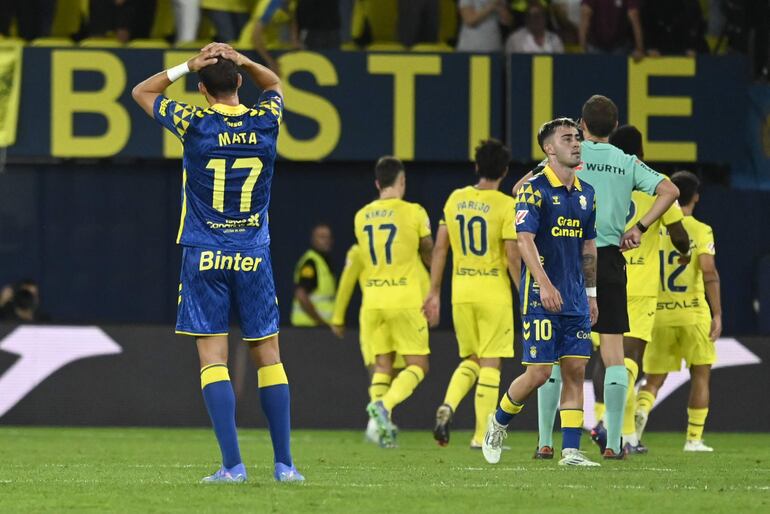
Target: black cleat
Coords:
[(443, 421), (544, 453)]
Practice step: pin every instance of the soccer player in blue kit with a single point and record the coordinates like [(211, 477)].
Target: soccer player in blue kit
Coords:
[(228, 166), (556, 227)]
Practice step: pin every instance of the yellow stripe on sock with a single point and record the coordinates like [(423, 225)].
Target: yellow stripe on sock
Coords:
[(214, 373), (509, 406), (571, 418), (271, 375)]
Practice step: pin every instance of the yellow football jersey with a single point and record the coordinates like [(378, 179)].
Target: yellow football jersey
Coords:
[(643, 263), (682, 298), (478, 222), (388, 234)]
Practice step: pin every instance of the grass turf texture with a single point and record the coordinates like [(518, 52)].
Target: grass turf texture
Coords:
[(157, 470)]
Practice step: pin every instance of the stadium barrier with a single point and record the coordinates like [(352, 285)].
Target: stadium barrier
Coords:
[(352, 106), (146, 376)]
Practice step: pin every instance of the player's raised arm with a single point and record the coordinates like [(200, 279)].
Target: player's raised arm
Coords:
[(432, 305), (549, 295), (263, 77), (149, 89)]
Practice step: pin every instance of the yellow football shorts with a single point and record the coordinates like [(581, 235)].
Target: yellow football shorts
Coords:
[(404, 331), (367, 345), (641, 317), (484, 329), (670, 345)]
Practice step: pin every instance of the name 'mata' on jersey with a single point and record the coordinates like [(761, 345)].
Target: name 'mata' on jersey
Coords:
[(228, 165), (643, 263), (478, 222), (388, 232), (682, 296), (562, 221)]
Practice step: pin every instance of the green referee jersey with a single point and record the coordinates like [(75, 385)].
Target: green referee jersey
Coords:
[(614, 175)]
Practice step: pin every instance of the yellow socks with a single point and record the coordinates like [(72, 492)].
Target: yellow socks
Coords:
[(403, 386), (696, 421), (644, 401), (485, 401), (629, 425), (462, 380), (599, 411), (380, 385)]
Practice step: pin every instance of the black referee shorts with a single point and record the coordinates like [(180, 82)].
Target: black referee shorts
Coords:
[(611, 291)]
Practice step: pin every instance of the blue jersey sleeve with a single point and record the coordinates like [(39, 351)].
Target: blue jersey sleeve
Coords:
[(529, 201), (590, 232), (174, 116), (270, 107)]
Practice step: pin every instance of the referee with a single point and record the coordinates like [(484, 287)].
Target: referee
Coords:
[(614, 175)]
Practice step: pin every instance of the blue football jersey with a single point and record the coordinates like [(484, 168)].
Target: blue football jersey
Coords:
[(228, 165), (562, 220)]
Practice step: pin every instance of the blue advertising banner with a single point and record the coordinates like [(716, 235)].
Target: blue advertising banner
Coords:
[(688, 109), (339, 106), (355, 106)]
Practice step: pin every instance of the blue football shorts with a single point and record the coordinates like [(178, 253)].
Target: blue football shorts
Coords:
[(548, 338), (211, 280)]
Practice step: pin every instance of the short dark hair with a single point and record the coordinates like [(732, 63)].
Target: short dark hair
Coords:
[(387, 169), (549, 127), (688, 184), (629, 139), (600, 115), (492, 159), (220, 78)]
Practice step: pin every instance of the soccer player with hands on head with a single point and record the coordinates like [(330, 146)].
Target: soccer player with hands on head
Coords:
[(228, 162)]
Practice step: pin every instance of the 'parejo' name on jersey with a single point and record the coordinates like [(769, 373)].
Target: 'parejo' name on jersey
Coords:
[(210, 260), (567, 227)]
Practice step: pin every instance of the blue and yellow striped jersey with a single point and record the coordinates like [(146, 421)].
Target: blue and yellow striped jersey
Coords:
[(228, 165)]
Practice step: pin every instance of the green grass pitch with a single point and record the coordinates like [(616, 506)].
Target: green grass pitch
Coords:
[(157, 470)]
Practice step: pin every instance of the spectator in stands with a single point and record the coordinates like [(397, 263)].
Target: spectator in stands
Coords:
[(126, 19), (674, 27), (518, 11), (747, 29), (418, 21), (187, 14), (25, 305), (534, 38), (565, 16), (318, 22), (34, 18), (274, 25), (228, 16), (6, 297), (314, 284), (612, 26), (481, 20)]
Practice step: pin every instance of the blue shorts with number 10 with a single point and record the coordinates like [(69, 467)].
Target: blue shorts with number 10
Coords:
[(549, 338), (211, 279)]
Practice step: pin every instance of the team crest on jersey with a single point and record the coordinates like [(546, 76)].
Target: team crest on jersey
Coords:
[(556, 200), (520, 215), (533, 351), (583, 202)]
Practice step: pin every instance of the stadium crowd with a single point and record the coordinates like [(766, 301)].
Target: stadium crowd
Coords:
[(628, 27)]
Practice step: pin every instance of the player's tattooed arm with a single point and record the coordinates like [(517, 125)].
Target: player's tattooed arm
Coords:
[(589, 262)]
